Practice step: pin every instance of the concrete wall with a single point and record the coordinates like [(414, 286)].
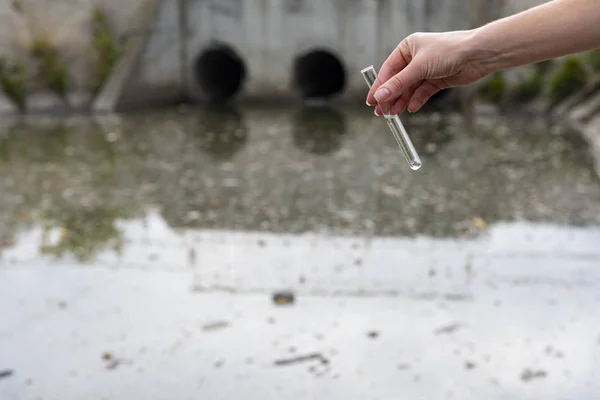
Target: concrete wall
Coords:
[(268, 35), (66, 24)]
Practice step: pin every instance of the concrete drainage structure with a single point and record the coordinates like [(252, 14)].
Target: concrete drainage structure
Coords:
[(248, 49), (319, 74), (219, 72)]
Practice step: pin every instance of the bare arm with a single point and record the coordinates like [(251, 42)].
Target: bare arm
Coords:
[(550, 30), (425, 63)]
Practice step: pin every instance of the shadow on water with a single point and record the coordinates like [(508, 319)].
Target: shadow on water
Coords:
[(318, 130), (221, 131)]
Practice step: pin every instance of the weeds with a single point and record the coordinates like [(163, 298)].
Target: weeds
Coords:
[(52, 70), (567, 78), (493, 89), (106, 49), (13, 81)]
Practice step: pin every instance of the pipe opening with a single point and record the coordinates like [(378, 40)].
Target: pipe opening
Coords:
[(220, 73), (319, 74)]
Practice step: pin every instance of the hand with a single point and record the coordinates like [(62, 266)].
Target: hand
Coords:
[(422, 65)]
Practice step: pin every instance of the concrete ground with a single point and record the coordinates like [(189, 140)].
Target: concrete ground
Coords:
[(510, 315), (136, 284)]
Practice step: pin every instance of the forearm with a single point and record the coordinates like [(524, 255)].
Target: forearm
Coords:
[(551, 30)]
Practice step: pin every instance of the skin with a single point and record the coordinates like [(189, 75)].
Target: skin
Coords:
[(425, 63)]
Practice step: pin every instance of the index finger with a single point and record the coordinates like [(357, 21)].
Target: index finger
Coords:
[(395, 63)]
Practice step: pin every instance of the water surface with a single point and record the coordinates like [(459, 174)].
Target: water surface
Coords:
[(289, 170)]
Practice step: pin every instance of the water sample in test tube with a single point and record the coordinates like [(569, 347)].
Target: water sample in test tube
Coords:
[(398, 130)]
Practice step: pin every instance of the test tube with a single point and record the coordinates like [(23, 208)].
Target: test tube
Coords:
[(398, 130)]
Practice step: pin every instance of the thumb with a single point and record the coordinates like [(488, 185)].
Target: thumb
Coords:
[(399, 83)]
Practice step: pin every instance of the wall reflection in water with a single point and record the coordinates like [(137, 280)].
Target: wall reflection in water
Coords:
[(221, 131), (318, 130), (200, 169), (83, 231)]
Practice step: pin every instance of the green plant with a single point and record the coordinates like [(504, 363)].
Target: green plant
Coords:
[(13, 81), (52, 69), (86, 231), (106, 48), (544, 67), (593, 60), (566, 78), (493, 89), (529, 88), (17, 6)]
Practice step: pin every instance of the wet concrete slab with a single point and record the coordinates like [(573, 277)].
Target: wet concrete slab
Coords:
[(140, 255), (522, 327)]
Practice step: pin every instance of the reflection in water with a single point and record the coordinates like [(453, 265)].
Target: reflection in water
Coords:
[(83, 232), (221, 131), (319, 130), (430, 138), (512, 169), (48, 142)]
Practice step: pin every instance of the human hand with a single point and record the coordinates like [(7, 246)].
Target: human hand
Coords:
[(422, 65)]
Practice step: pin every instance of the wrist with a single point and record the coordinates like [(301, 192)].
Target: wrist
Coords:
[(482, 54)]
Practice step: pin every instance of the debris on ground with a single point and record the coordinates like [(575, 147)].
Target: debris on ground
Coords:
[(479, 223), (450, 328), (215, 326), (300, 359), (373, 334), (6, 373), (469, 365), (111, 361), (284, 298), (320, 368), (528, 374), (7, 243)]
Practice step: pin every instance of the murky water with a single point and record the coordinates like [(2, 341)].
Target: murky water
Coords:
[(510, 313), (288, 170)]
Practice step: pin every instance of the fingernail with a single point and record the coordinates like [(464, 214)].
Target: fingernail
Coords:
[(382, 94), (375, 112), (369, 104)]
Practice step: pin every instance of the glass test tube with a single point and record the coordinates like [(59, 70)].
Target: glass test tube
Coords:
[(393, 121)]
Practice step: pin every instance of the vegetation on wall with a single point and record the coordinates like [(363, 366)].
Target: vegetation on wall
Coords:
[(17, 6), (12, 81), (106, 48), (494, 87), (593, 60), (529, 88), (53, 71), (565, 79)]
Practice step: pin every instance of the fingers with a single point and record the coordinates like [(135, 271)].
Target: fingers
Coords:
[(391, 90), (395, 63), (399, 105), (422, 93)]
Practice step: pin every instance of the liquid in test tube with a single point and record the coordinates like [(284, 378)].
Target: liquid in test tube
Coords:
[(396, 126)]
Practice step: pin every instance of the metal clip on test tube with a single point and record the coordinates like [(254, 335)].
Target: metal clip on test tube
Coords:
[(393, 121)]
